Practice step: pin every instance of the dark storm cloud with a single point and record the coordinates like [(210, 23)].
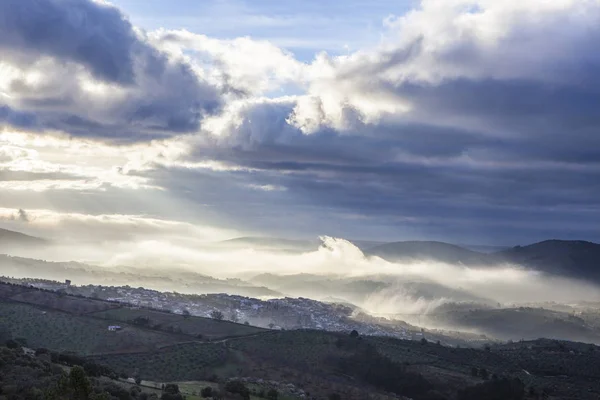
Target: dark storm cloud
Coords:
[(89, 33), (526, 157), (16, 118), (498, 136), (137, 92)]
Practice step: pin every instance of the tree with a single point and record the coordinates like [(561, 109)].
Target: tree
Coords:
[(218, 315), (271, 325), (354, 333), (80, 383), (502, 389), (246, 323), (186, 314), (207, 392), (272, 394), (238, 387), (423, 341), (138, 380), (171, 392), (171, 388), (233, 317), (484, 373)]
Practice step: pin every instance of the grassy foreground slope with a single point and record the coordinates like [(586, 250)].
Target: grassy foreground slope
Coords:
[(317, 362)]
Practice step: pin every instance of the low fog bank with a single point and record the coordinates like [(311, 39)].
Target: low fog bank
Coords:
[(503, 301), (337, 269)]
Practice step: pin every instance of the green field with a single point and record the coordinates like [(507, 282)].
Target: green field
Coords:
[(51, 300), (198, 327), (302, 349), (61, 331), (191, 350), (184, 362)]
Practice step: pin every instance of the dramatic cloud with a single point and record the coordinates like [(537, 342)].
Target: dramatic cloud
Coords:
[(472, 120), (82, 68)]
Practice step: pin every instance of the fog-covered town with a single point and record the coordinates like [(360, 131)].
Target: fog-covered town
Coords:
[(278, 313)]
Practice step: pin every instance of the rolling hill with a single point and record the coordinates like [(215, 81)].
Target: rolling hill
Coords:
[(12, 238), (319, 362), (572, 258), (434, 251)]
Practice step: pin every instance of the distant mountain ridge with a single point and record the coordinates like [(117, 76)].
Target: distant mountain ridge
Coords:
[(424, 250), (8, 237), (573, 258)]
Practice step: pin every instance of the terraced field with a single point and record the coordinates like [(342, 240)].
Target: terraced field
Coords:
[(61, 331), (184, 362), (51, 300), (203, 328)]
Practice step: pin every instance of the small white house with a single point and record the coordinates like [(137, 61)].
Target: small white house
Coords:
[(114, 328)]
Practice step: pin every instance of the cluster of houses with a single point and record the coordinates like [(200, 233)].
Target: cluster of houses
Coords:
[(281, 313)]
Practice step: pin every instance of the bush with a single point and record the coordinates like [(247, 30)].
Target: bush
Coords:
[(483, 373), (272, 394), (502, 389), (218, 315), (238, 387), (206, 392), (171, 392)]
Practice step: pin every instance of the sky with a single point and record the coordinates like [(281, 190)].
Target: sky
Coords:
[(466, 121)]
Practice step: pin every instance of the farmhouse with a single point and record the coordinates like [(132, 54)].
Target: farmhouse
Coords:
[(114, 328)]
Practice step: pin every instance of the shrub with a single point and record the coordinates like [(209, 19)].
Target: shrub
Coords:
[(206, 392), (272, 394), (238, 387)]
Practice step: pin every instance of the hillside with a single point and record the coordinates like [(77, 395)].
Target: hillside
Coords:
[(577, 259), (180, 280), (175, 348), (12, 238), (433, 251), (69, 323), (518, 323)]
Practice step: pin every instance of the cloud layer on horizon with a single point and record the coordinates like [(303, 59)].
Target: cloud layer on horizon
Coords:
[(470, 120)]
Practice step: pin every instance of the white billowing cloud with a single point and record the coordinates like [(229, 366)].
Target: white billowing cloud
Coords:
[(267, 188), (252, 67), (441, 41), (119, 86), (249, 122), (79, 163), (72, 228)]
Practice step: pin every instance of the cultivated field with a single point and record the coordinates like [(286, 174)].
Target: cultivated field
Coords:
[(62, 331), (187, 362), (202, 328), (51, 300)]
